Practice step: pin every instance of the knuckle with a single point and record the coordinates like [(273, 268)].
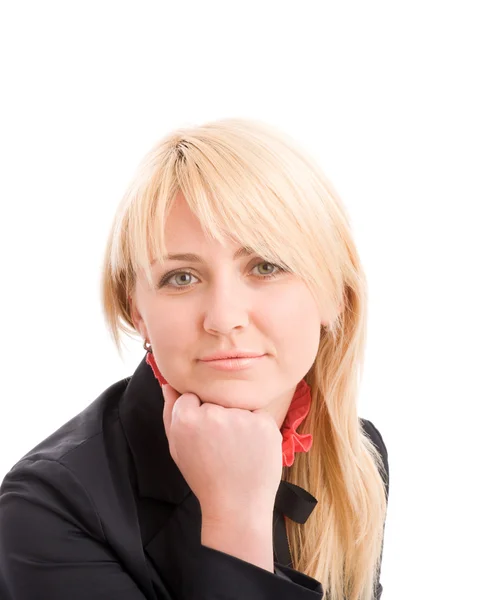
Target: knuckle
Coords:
[(184, 415), (214, 414)]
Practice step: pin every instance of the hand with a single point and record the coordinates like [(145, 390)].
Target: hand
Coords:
[(230, 457)]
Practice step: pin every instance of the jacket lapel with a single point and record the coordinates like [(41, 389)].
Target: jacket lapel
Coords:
[(141, 414)]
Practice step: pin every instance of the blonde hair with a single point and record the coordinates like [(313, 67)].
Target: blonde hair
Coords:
[(246, 181)]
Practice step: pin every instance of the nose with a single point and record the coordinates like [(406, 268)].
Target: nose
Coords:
[(227, 307)]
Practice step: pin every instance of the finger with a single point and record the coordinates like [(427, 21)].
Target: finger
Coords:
[(188, 403), (265, 414), (170, 396)]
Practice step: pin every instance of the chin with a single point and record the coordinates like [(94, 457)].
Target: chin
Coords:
[(230, 394)]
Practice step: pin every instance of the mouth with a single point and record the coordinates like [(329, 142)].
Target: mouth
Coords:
[(234, 363), (232, 354)]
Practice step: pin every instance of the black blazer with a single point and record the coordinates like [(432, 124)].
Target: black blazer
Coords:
[(99, 510)]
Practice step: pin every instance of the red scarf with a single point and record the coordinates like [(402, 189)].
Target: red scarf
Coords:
[(298, 410)]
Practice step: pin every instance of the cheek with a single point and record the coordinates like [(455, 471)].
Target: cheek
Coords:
[(172, 334), (294, 313), (295, 324), (170, 338)]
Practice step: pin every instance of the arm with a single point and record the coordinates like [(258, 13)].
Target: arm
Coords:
[(52, 547), (51, 541), (236, 562), (246, 536)]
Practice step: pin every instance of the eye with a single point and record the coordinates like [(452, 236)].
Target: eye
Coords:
[(165, 280), (266, 263)]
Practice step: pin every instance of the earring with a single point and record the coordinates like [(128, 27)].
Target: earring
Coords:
[(147, 348)]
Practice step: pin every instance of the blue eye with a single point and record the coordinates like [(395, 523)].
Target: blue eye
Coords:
[(165, 280)]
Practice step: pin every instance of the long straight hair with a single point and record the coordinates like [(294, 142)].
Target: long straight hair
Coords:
[(247, 181)]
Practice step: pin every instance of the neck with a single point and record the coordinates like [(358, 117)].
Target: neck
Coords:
[(278, 409)]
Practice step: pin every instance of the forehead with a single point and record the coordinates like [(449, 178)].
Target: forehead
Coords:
[(181, 218), (186, 240), (183, 230)]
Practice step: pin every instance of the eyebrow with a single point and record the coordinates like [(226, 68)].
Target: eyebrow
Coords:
[(188, 256)]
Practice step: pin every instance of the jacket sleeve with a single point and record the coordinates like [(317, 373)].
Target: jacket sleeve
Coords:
[(52, 547), (51, 542), (221, 576)]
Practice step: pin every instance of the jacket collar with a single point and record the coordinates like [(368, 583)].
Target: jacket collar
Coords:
[(158, 476)]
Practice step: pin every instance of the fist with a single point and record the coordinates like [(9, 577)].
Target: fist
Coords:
[(230, 457)]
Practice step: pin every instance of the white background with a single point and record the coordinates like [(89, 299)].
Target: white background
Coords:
[(384, 94)]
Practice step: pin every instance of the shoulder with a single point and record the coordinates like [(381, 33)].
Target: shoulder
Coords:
[(377, 439), (375, 436), (39, 493)]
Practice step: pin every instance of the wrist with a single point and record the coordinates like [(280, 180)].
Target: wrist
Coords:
[(250, 540), (250, 515), (241, 520)]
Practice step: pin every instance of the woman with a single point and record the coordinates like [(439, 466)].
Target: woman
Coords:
[(230, 478)]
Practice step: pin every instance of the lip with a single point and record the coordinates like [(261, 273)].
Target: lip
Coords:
[(233, 354), (233, 364)]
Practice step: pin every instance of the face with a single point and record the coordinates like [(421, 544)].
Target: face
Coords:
[(198, 308)]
